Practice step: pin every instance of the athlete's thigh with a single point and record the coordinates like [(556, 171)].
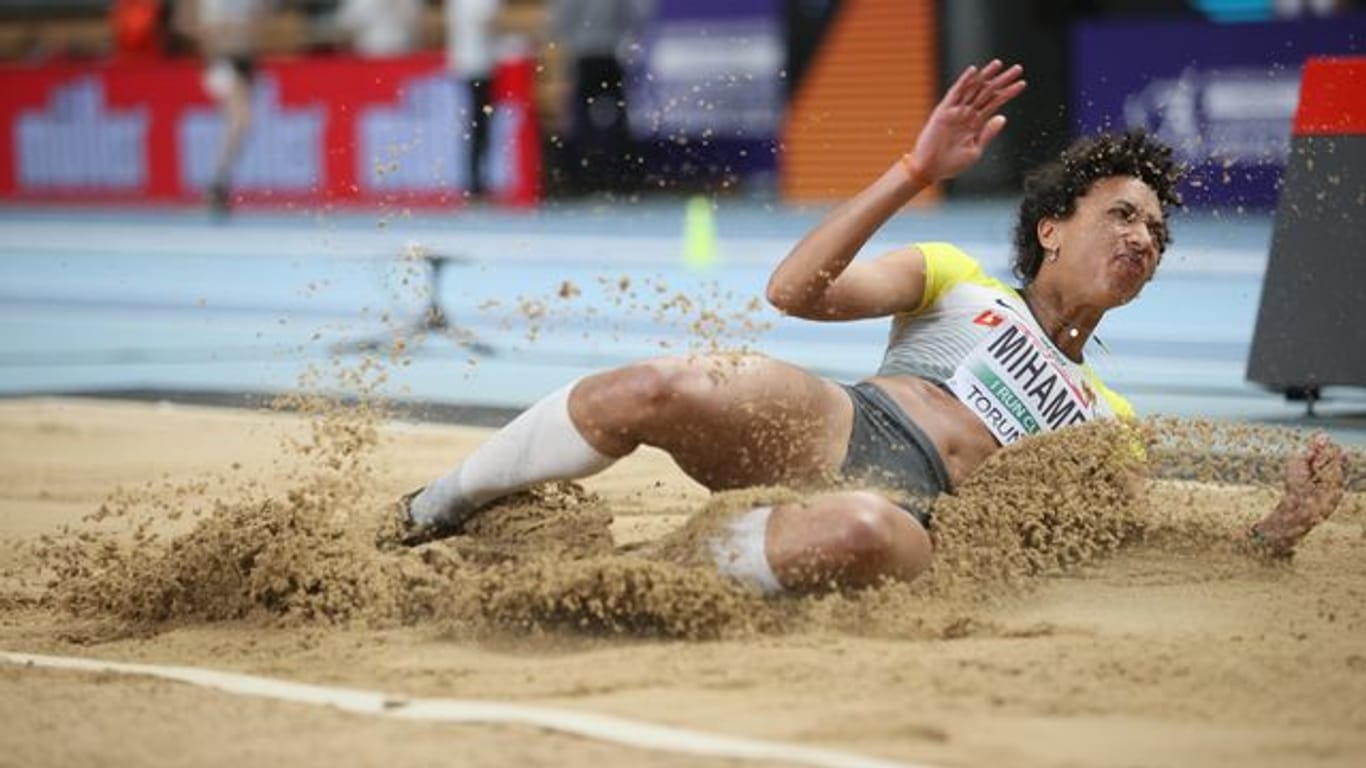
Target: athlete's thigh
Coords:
[(747, 420)]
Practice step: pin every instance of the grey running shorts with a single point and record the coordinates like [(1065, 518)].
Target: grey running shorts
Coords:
[(889, 451)]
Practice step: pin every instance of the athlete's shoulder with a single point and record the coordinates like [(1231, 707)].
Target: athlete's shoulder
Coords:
[(947, 266), (950, 260)]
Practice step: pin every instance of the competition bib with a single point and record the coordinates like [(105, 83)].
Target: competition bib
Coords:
[(1017, 385)]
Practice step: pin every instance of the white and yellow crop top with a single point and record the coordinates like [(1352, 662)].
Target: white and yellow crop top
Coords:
[(975, 335)]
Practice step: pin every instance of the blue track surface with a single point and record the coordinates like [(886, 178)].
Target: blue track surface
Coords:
[(99, 301)]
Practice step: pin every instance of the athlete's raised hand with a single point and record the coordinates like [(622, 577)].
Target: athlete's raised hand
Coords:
[(965, 121)]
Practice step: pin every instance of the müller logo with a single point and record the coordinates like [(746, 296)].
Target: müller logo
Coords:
[(283, 149), (78, 142)]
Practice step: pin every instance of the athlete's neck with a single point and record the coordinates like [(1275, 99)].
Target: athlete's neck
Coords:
[(1070, 327)]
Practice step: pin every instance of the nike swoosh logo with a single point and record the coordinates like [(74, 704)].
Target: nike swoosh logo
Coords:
[(1002, 303)]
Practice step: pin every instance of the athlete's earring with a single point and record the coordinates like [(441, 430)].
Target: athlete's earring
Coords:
[(1053, 255)]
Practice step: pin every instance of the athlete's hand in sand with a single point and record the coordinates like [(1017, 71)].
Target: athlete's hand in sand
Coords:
[(1315, 481), (965, 121)]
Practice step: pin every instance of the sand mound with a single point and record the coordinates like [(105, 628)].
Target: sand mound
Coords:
[(544, 561), (300, 555), (1041, 507), (617, 595)]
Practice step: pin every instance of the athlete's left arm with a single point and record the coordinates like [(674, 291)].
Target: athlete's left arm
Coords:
[(891, 283), (819, 279)]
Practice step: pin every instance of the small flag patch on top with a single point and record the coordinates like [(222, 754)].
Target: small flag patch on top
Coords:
[(988, 318)]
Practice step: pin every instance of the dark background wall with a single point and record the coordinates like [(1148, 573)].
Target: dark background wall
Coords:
[(1035, 34)]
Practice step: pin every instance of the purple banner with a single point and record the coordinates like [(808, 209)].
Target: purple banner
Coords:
[(706, 88), (1223, 95)]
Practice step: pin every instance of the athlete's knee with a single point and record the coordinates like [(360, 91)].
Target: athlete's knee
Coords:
[(667, 388), (862, 526), (877, 538), (635, 394)]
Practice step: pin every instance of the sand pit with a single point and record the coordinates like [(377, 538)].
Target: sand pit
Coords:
[(1123, 627)]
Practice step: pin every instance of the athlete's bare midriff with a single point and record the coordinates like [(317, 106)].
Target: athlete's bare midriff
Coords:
[(962, 440)]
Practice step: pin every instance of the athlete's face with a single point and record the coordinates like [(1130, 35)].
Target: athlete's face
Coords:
[(1111, 245)]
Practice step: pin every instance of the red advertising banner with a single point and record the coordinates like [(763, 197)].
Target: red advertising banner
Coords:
[(336, 130)]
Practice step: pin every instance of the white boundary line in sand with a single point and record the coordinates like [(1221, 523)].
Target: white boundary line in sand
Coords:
[(607, 728)]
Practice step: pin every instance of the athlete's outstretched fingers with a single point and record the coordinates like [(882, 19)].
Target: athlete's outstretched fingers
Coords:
[(990, 70), (993, 87), (982, 82), (958, 90), (1004, 77), (1003, 96), (971, 89)]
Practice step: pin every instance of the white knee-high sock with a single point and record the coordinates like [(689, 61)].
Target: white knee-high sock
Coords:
[(540, 445), (740, 552)]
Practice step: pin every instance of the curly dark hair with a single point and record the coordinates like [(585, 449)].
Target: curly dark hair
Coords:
[(1052, 190)]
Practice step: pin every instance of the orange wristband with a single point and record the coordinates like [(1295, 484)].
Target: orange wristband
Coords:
[(915, 176)]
